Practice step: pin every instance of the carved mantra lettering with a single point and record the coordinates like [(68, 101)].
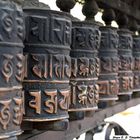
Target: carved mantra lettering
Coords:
[(108, 87), (5, 114), (127, 83), (20, 68), (73, 93), (125, 41), (6, 108), (64, 103), (137, 63), (83, 94), (18, 111), (93, 94), (126, 63), (40, 29), (85, 37), (109, 64), (136, 81), (11, 24), (20, 25), (50, 66), (85, 67), (111, 37), (8, 67), (87, 94), (7, 23), (136, 72), (36, 102), (52, 103)]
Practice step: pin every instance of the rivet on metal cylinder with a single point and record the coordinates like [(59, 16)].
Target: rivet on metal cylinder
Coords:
[(125, 59), (108, 54), (48, 68), (85, 67), (11, 64)]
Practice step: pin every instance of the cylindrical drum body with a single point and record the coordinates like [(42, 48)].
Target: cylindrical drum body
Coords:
[(125, 62), (11, 73), (108, 54), (84, 66), (48, 65), (136, 68)]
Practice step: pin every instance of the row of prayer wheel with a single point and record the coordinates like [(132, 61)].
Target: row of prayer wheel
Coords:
[(66, 66)]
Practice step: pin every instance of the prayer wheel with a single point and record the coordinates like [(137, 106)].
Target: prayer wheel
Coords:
[(136, 67), (84, 67), (47, 68), (125, 62), (108, 54), (11, 63)]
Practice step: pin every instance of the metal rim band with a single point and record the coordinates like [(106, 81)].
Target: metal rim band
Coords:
[(43, 119)]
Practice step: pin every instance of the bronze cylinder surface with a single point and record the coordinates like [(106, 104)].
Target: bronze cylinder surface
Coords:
[(125, 62), (85, 66), (108, 54), (11, 69), (48, 65), (136, 68)]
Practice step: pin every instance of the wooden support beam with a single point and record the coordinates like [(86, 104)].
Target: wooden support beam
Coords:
[(78, 127), (120, 6)]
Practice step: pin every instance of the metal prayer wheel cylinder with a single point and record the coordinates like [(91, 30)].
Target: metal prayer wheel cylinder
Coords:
[(84, 67), (136, 67), (11, 74), (125, 62), (108, 54), (48, 65)]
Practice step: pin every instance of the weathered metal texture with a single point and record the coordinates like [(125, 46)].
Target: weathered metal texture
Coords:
[(48, 65), (136, 57), (34, 4), (108, 54), (11, 72), (85, 66), (125, 62), (30, 3)]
